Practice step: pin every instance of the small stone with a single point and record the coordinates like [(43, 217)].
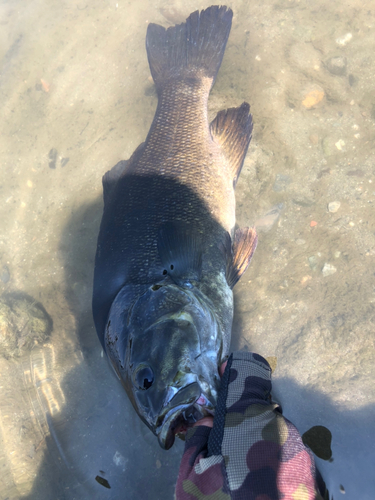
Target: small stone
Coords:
[(319, 440), (337, 254), (328, 269), (340, 144), (343, 40), (336, 65), (300, 241), (313, 98), (334, 206), (314, 139)]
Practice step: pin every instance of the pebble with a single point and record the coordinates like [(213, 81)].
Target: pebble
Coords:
[(319, 440), (334, 206), (337, 65), (313, 98), (340, 144), (343, 40), (328, 269)]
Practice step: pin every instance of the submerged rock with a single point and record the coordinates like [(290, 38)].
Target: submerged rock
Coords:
[(336, 65), (23, 323)]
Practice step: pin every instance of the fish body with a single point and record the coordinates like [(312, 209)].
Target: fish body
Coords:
[(168, 254)]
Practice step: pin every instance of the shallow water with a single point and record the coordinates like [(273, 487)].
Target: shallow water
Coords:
[(76, 97)]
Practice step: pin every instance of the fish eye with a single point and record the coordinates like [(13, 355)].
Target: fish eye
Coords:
[(143, 377)]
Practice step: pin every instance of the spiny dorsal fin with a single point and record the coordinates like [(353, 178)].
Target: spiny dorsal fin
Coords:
[(244, 245), (232, 129)]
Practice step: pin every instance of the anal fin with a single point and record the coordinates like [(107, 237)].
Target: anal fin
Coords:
[(232, 129), (244, 245)]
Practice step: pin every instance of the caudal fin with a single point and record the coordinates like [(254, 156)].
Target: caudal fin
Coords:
[(191, 49)]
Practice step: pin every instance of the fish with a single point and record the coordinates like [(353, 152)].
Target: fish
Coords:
[(169, 252)]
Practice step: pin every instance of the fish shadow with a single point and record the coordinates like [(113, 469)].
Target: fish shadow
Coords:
[(97, 440)]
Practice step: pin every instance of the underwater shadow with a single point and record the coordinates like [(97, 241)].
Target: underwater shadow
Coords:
[(349, 468), (97, 446), (97, 440)]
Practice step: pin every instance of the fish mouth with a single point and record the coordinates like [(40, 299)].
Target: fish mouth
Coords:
[(180, 418)]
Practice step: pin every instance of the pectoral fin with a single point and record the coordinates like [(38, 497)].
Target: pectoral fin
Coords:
[(243, 247)]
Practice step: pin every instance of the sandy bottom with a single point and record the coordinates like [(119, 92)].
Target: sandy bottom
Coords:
[(76, 97)]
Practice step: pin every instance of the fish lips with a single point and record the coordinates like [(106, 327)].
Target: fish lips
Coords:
[(178, 416)]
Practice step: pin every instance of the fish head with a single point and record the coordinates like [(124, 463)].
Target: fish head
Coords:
[(167, 356)]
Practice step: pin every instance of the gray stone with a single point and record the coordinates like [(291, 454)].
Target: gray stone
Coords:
[(336, 65)]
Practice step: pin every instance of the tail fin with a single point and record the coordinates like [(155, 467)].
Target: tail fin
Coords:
[(194, 48)]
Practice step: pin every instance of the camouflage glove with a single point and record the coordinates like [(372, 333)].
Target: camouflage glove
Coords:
[(252, 451)]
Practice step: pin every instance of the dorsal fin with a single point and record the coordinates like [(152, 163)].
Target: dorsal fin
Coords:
[(232, 129)]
